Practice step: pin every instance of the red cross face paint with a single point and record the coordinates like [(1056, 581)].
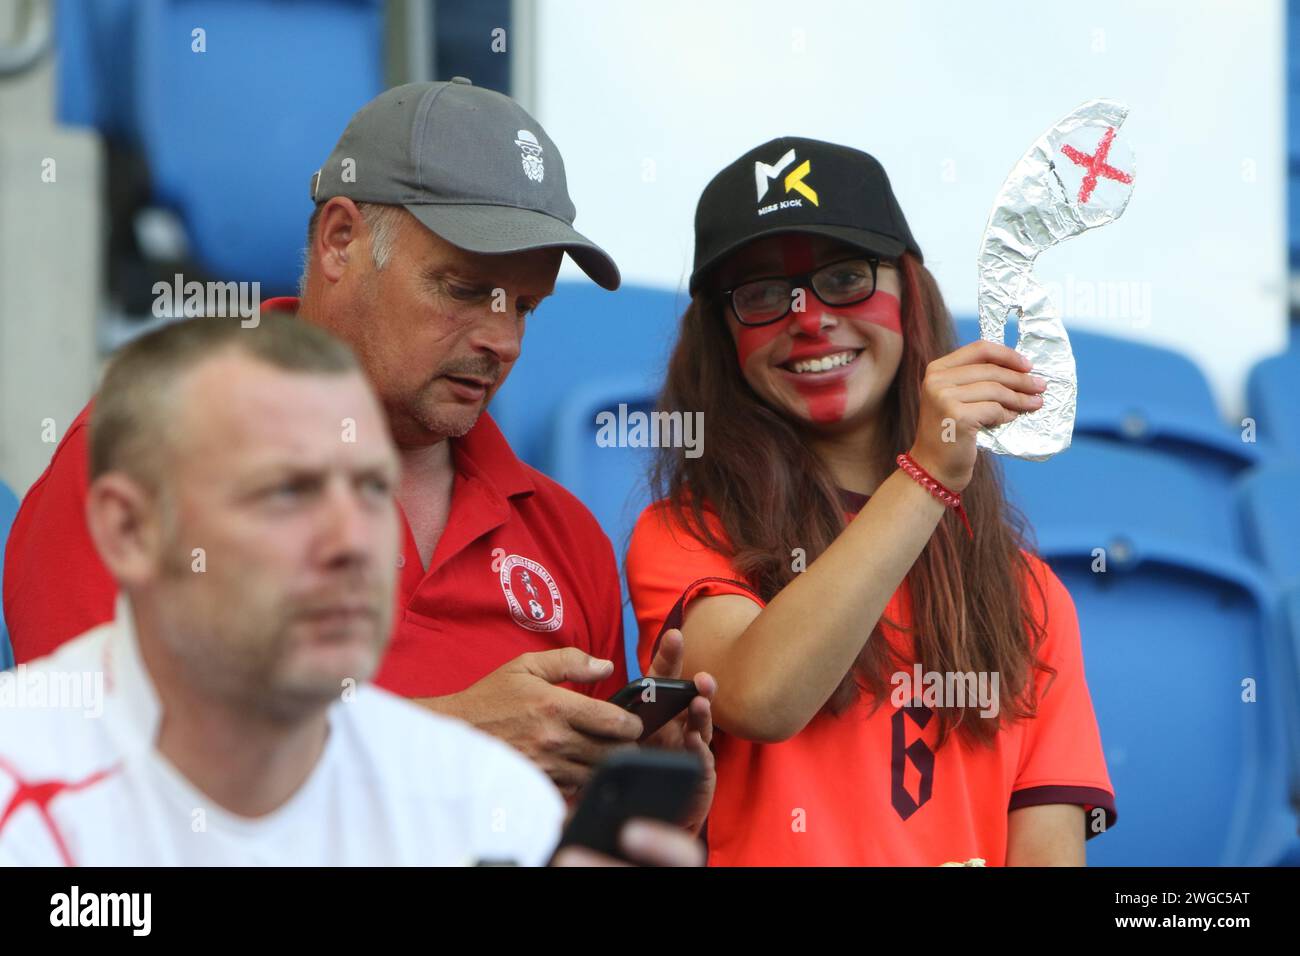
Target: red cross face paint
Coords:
[(824, 363)]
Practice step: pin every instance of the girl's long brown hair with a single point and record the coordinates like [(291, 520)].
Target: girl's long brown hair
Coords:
[(771, 495)]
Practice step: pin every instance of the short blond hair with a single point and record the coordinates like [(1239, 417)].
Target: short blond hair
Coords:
[(131, 424)]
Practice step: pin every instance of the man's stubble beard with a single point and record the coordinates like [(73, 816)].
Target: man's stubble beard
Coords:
[(424, 411), (216, 658)]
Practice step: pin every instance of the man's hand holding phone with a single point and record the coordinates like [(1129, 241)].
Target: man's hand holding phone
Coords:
[(690, 729), (565, 733)]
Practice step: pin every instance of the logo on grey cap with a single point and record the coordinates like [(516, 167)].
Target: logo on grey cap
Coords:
[(530, 151)]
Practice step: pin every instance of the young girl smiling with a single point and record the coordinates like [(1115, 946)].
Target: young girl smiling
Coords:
[(840, 529)]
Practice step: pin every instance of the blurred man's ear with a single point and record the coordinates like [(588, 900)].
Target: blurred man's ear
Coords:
[(340, 224), (126, 524)]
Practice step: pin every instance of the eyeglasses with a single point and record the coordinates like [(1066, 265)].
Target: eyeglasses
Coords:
[(768, 300)]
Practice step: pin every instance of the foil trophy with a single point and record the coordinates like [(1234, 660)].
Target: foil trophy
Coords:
[(1075, 177)]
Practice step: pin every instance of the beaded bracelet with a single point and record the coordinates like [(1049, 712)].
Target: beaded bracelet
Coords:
[(927, 481)]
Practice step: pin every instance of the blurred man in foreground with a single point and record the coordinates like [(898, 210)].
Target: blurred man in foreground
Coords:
[(241, 495)]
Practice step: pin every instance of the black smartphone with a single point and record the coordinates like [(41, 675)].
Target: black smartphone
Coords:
[(656, 784), (656, 700)]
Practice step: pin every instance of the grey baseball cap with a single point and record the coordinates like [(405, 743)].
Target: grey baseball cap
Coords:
[(470, 164)]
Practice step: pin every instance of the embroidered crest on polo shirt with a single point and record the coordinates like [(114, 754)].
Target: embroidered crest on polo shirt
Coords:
[(531, 594), (530, 151)]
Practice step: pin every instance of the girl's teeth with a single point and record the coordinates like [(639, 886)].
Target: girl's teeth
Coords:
[(825, 363)]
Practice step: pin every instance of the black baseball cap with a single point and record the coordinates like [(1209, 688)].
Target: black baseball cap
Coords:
[(470, 164), (792, 184)]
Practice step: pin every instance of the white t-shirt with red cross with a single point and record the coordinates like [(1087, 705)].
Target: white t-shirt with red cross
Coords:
[(82, 783)]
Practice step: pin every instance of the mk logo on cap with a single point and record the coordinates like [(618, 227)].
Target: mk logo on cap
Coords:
[(763, 173)]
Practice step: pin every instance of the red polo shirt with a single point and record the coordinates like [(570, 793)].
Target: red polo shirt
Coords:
[(521, 566)]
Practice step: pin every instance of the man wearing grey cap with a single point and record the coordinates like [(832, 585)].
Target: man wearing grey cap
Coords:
[(441, 219)]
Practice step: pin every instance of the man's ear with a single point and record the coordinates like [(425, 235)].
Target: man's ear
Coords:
[(340, 223), (125, 523)]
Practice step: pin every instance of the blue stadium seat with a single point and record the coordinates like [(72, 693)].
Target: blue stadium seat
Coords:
[(1270, 510), (232, 135), (1271, 518), (95, 68), (1293, 129), (1111, 492), (580, 334), (1290, 614), (95, 65), (1169, 636), (611, 481), (1177, 621), (8, 509), (1146, 395), (1273, 397)]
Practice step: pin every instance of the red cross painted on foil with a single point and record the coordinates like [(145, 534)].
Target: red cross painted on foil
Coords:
[(1096, 165)]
